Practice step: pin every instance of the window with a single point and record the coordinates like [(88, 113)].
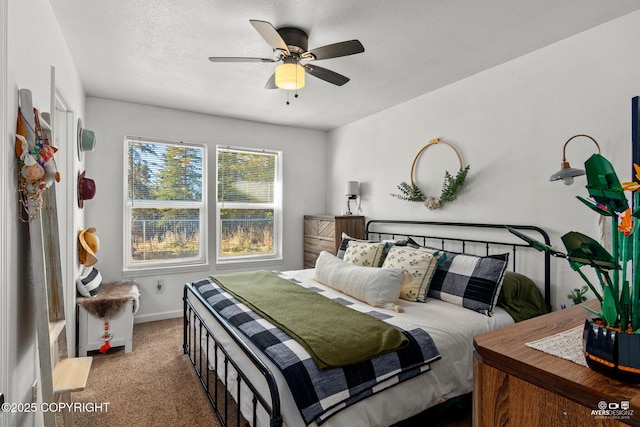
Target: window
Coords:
[(166, 215), (249, 200)]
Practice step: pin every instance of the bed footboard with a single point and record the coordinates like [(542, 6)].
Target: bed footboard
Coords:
[(212, 364)]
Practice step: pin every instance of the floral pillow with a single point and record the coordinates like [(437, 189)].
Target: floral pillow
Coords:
[(346, 239), (420, 263), (364, 254)]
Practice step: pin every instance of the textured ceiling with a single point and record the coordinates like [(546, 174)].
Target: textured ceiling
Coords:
[(156, 52)]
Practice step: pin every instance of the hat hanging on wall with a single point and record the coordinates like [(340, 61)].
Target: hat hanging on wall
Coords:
[(88, 245), (86, 189), (88, 283), (86, 140)]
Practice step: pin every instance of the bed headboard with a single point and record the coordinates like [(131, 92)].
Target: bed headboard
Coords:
[(471, 238)]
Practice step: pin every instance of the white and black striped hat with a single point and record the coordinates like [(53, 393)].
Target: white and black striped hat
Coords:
[(88, 283)]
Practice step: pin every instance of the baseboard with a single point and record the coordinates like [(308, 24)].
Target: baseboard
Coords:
[(157, 316)]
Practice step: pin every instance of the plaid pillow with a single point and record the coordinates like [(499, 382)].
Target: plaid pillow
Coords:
[(469, 281)]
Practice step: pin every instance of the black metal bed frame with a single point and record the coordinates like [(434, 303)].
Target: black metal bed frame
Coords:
[(194, 328), (199, 342)]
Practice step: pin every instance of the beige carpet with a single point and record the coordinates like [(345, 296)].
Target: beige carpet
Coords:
[(155, 385)]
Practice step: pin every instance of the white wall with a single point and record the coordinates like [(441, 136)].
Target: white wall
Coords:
[(509, 123), (304, 175), (34, 45)]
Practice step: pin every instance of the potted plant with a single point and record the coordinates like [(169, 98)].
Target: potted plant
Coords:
[(612, 338), (578, 295)]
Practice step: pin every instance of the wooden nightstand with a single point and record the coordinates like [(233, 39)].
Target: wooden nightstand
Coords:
[(324, 233), (515, 385)]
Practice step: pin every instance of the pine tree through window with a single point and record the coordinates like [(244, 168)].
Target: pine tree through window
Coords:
[(248, 204), (165, 204)]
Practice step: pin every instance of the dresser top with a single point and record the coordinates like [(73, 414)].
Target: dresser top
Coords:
[(505, 349)]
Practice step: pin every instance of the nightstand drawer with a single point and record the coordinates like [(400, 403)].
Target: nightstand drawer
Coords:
[(317, 245)]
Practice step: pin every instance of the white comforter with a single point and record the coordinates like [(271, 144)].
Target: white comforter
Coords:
[(451, 327)]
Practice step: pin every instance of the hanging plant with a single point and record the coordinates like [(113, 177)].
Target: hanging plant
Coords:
[(412, 193)]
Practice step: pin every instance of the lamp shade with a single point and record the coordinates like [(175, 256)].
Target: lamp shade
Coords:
[(566, 174), (352, 188), (289, 76)]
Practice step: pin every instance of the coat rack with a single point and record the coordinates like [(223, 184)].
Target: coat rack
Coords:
[(59, 374)]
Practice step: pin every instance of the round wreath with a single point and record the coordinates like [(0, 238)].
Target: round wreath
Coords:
[(411, 192)]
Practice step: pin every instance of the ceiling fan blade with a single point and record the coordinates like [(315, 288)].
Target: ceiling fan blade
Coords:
[(326, 75), (271, 83), (270, 35), (335, 50), (239, 59)]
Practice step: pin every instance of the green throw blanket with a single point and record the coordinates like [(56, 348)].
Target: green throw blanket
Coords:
[(334, 335)]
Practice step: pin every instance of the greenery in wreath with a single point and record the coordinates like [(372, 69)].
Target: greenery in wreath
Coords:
[(412, 193)]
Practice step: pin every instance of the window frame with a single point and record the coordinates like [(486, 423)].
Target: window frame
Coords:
[(277, 255), (131, 269)]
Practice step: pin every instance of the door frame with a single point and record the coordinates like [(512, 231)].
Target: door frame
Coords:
[(64, 136)]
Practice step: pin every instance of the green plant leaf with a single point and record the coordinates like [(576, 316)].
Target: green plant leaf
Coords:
[(410, 192), (595, 313), (453, 184)]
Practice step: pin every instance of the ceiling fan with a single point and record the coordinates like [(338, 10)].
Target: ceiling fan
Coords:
[(290, 47)]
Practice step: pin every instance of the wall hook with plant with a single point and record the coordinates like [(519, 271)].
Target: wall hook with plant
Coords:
[(412, 193)]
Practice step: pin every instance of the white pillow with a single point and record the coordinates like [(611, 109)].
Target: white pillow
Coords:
[(375, 286)]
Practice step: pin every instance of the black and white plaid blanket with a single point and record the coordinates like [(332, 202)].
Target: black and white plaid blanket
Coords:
[(321, 394)]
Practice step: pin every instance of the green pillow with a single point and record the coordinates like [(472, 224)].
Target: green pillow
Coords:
[(520, 297)]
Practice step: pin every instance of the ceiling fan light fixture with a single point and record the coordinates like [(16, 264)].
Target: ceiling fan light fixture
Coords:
[(290, 76)]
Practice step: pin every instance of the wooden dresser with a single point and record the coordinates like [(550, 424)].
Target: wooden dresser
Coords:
[(324, 233), (515, 385)]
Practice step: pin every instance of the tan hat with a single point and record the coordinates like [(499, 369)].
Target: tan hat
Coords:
[(88, 245)]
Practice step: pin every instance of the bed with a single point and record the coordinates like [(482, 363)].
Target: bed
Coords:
[(248, 384)]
